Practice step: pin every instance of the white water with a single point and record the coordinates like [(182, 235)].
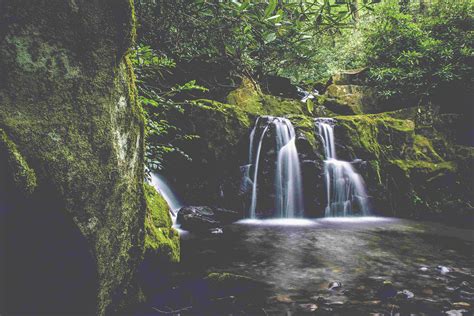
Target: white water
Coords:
[(345, 188), (288, 183), (162, 186)]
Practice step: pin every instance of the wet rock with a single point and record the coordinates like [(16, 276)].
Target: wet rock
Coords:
[(427, 291), (231, 286), (319, 299), (405, 294), (205, 218), (334, 286), (443, 269), (283, 299), (456, 312), (216, 231), (386, 291), (461, 305), (308, 308)]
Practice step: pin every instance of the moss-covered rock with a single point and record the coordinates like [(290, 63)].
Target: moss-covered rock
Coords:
[(67, 101), (407, 174), (249, 98), (350, 99), (161, 240)]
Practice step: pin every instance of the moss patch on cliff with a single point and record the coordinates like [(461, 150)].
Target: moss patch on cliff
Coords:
[(249, 97), (160, 239), (414, 169), (424, 167), (376, 134), (17, 171)]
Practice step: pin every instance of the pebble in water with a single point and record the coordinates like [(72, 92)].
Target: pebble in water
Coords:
[(406, 294), (308, 307), (334, 286), (443, 269), (217, 231)]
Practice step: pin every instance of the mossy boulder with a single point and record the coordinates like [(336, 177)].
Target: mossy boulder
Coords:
[(67, 102), (250, 98), (161, 240), (350, 99), (406, 174)]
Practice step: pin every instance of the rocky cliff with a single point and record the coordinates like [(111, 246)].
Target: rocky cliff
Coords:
[(411, 159), (72, 144)]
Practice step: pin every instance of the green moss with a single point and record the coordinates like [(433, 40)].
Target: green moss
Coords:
[(160, 239), (304, 124), (223, 277), (277, 106), (424, 149), (162, 242), (157, 207), (247, 97), (424, 166), (375, 164), (376, 133), (133, 22), (18, 172)]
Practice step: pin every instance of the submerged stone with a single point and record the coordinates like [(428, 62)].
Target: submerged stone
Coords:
[(205, 218)]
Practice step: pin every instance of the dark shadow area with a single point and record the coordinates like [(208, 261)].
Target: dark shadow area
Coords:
[(45, 262)]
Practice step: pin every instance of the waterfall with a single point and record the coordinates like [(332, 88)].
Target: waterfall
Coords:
[(162, 186), (288, 183), (345, 188)]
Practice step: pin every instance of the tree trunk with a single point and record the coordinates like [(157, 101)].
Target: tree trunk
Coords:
[(355, 11)]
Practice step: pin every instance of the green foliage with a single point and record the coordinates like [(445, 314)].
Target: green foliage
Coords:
[(255, 37), (414, 55), (156, 100)]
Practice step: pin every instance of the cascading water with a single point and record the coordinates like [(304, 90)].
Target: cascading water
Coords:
[(288, 184), (345, 188), (162, 186)]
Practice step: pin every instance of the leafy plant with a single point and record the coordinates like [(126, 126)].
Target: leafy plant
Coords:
[(415, 56), (161, 136)]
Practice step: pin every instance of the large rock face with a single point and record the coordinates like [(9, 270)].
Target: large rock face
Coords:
[(67, 104), (411, 159)]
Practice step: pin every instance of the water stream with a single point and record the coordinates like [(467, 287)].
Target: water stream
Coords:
[(162, 185), (346, 194), (288, 183)]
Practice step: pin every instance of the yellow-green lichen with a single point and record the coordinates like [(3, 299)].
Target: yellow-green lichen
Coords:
[(424, 167), (424, 149), (23, 178)]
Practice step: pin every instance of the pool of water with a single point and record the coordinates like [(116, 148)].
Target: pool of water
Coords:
[(298, 260)]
